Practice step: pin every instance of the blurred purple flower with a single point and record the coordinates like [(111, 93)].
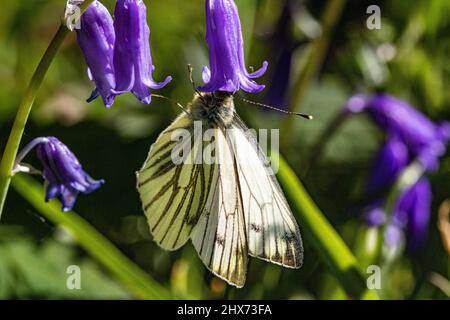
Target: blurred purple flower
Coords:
[(64, 175), (283, 45), (96, 38), (132, 57), (410, 136), (278, 92), (226, 51), (412, 212), (424, 139), (390, 161)]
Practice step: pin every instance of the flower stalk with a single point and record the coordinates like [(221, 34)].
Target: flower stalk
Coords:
[(15, 137)]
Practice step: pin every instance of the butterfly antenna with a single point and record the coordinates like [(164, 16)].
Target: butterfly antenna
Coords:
[(306, 116), (172, 101), (194, 86)]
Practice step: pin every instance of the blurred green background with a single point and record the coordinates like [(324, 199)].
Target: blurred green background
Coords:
[(409, 57)]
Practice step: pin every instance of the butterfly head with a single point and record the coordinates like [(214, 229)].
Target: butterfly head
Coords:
[(215, 108)]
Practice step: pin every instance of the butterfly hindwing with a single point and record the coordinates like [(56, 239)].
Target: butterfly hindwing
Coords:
[(219, 237), (272, 231)]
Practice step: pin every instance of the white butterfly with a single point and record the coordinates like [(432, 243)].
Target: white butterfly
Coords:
[(231, 207)]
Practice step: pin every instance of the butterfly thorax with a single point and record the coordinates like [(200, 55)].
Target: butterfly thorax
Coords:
[(214, 109)]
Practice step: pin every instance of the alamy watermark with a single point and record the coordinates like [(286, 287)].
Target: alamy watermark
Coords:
[(374, 20), (73, 281), (73, 14), (374, 278)]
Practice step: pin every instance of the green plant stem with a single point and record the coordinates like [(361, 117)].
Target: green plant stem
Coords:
[(407, 178), (23, 113), (323, 237), (314, 59), (15, 137), (133, 278)]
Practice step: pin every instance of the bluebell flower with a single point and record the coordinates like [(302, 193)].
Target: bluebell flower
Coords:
[(227, 70), (96, 38), (132, 57), (117, 51), (63, 173), (412, 208), (410, 136), (392, 158)]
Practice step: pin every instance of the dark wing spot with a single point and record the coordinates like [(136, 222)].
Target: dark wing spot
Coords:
[(255, 227), (220, 241), (292, 240), (191, 220), (277, 256)]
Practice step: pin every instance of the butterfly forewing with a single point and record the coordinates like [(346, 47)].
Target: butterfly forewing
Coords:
[(173, 194)]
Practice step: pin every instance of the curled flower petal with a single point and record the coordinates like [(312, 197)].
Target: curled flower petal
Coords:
[(259, 73), (96, 38), (53, 190), (227, 70), (68, 198), (132, 57)]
